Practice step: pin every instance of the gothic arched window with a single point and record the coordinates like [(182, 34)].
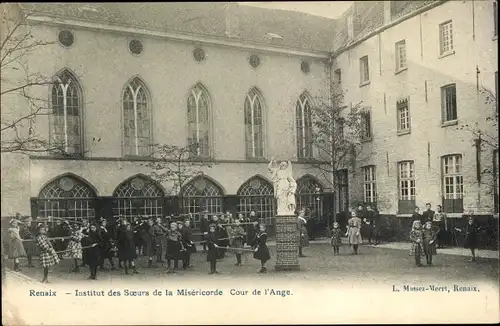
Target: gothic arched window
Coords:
[(66, 197), (201, 194), (257, 194), (199, 112), (303, 116), (308, 195), (254, 124), (137, 121), (66, 118), (138, 195)]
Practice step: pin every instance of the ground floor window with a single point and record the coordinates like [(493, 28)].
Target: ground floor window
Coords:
[(309, 196), (257, 194), (67, 197), (138, 196), (199, 195)]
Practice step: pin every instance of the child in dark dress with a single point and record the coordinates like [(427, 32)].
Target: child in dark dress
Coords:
[(336, 241), (174, 247), (126, 247), (93, 257), (428, 241), (261, 251), (211, 243), (416, 237), (471, 234)]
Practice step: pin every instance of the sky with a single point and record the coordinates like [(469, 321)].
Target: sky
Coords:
[(329, 9)]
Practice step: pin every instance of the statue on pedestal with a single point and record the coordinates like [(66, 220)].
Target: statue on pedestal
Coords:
[(284, 186)]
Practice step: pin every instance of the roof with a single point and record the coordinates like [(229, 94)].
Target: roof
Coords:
[(368, 16), (218, 19), (238, 22)]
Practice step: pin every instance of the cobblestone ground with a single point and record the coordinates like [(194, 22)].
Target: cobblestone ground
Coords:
[(372, 264)]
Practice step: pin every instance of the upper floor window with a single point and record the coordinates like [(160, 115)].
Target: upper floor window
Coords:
[(66, 120), (339, 129), (366, 125), (401, 55), (495, 18), (303, 116), (446, 37), (403, 115), (198, 110), (364, 70), (338, 76), (370, 189), (136, 119), (449, 102), (254, 124)]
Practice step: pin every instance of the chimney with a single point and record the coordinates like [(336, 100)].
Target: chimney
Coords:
[(231, 19), (387, 12)]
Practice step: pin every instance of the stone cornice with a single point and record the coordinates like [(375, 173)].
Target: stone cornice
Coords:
[(184, 37)]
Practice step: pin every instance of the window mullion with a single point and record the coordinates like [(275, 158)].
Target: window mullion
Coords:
[(65, 111), (136, 134), (303, 140), (252, 122)]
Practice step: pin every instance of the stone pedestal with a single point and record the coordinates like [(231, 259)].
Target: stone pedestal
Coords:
[(287, 247)]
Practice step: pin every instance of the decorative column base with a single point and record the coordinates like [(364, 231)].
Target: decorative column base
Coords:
[(287, 247)]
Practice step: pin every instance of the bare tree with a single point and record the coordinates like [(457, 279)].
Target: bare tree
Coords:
[(20, 104), (485, 140), (175, 165), (338, 134)]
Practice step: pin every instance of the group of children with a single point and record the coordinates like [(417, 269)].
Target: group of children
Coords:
[(424, 237), (93, 243)]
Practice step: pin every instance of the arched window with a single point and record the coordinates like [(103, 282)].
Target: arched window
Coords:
[(138, 196), (67, 197), (201, 194), (304, 126), (66, 119), (308, 196), (137, 138), (198, 111), (254, 124), (257, 194)]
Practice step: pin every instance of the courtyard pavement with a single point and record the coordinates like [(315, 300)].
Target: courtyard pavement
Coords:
[(363, 278)]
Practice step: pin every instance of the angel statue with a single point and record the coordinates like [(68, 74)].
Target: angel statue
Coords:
[(284, 186)]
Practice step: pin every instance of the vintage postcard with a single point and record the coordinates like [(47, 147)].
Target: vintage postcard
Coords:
[(227, 163)]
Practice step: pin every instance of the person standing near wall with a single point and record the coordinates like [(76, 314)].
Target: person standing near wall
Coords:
[(439, 220)]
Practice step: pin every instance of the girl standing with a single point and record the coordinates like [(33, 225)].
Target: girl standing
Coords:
[(16, 248), (93, 257), (336, 238), (211, 243), (237, 238), (261, 251), (353, 232), (30, 247), (428, 240), (303, 236), (471, 234), (416, 237), (126, 247), (106, 246), (174, 247), (48, 256), (75, 246)]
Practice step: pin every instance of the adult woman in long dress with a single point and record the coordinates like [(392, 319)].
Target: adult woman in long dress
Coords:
[(353, 232)]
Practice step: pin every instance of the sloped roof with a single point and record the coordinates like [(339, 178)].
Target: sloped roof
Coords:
[(298, 30)]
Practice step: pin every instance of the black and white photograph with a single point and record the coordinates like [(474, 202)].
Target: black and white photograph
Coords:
[(229, 163)]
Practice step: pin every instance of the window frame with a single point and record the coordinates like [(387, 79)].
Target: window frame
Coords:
[(338, 76), (305, 150), (370, 183), (447, 25), (364, 71), (197, 97), (495, 19), (364, 129), (399, 66), (453, 176), (135, 138), (257, 96), (52, 117), (444, 104), (399, 107)]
